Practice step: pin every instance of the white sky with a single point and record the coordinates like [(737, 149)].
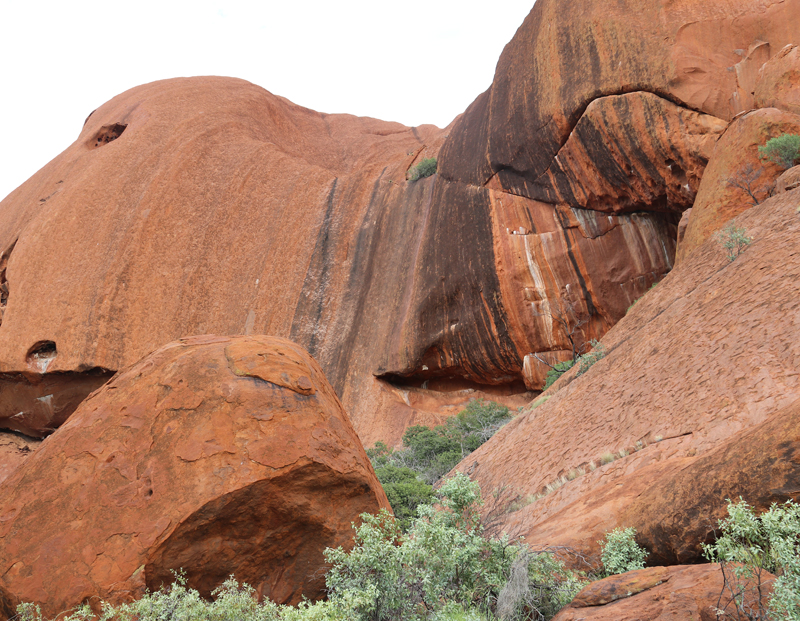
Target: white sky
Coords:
[(415, 62)]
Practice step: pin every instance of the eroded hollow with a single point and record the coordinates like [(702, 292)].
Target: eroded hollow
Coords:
[(40, 355), (107, 133)]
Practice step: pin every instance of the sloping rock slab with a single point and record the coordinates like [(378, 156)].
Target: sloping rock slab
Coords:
[(680, 592), (216, 455)]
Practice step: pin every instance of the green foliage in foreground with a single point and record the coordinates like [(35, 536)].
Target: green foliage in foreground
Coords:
[(783, 150), (425, 168), (734, 240), (443, 569), (557, 371), (408, 475), (751, 545), (619, 552)]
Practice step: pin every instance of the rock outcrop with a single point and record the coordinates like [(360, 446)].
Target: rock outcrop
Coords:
[(681, 592), (702, 369), (217, 207), (736, 178), (216, 455)]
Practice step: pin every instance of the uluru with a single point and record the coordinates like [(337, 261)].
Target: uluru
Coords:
[(215, 302)]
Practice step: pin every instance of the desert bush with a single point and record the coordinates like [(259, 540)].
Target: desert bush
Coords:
[(432, 453), (586, 361), (425, 168), (783, 150), (748, 548), (557, 371), (734, 240), (443, 569), (619, 551)]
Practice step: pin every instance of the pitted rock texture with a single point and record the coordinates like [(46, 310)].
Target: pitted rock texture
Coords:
[(216, 455), (217, 207), (703, 369), (681, 592), (778, 83), (14, 450), (736, 178)]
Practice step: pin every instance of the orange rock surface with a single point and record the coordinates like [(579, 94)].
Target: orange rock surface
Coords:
[(217, 207), (736, 178), (778, 83), (701, 375), (216, 455), (681, 592), (14, 449)]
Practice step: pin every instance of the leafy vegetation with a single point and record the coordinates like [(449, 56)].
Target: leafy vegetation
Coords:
[(443, 569), (749, 547), (584, 362), (408, 475), (734, 240), (783, 150), (619, 551), (425, 168)]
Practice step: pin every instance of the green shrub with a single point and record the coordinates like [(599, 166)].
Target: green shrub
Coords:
[(404, 490), (783, 150), (443, 569), (749, 546), (557, 371), (425, 168), (586, 361), (619, 551), (734, 240)]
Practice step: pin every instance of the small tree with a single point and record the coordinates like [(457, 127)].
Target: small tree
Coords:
[(749, 548), (746, 180), (734, 240), (783, 150)]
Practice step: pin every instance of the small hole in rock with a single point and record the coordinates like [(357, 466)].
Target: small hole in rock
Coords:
[(41, 355), (108, 133)]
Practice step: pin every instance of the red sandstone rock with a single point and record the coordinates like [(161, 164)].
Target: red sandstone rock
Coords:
[(702, 373), (778, 83), (681, 592), (736, 177), (14, 450), (217, 207), (216, 455), (789, 180)]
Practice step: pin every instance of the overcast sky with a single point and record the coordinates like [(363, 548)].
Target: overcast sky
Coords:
[(414, 62)]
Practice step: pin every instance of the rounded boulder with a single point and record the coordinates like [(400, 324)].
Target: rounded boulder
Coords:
[(217, 456)]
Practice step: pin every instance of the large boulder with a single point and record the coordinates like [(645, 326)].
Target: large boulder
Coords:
[(694, 403), (218, 456), (778, 83)]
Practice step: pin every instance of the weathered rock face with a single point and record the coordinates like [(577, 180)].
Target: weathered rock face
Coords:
[(216, 455), (216, 207), (701, 376), (681, 592), (778, 83), (736, 179), (14, 449)]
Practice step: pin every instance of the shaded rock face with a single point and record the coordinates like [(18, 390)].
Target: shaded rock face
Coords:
[(681, 592), (14, 449), (699, 388), (216, 455)]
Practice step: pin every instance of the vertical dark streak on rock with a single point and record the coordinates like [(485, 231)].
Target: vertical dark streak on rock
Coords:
[(312, 297)]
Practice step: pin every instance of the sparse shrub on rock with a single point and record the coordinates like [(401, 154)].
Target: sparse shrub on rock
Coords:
[(783, 150), (734, 240), (425, 168)]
